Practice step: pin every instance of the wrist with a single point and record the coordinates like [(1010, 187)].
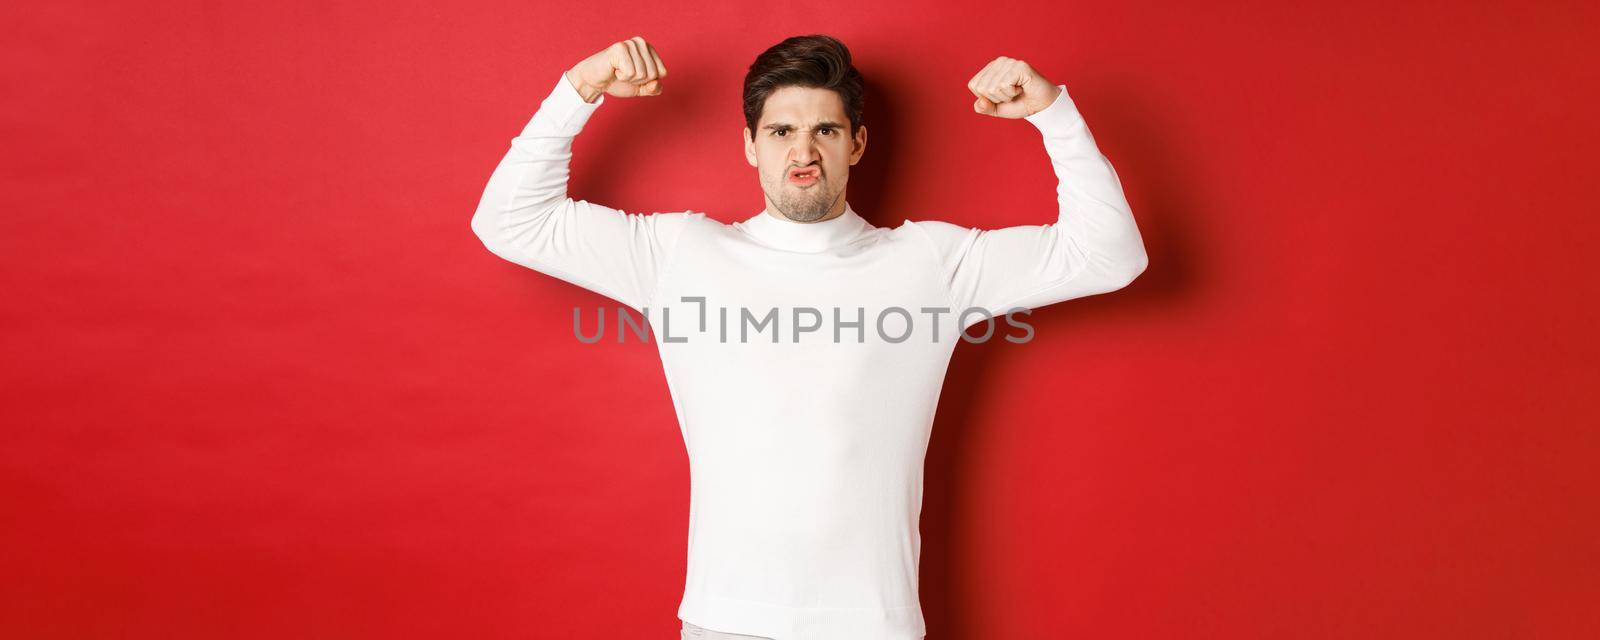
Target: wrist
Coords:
[(1059, 113), (1055, 95), (588, 92)]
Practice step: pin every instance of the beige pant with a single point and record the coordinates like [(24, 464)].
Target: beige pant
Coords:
[(693, 632)]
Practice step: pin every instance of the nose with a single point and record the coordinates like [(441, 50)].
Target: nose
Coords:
[(801, 152)]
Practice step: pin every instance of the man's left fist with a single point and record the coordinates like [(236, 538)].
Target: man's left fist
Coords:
[(1009, 88)]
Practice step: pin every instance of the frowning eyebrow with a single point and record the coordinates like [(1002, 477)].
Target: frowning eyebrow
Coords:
[(784, 125)]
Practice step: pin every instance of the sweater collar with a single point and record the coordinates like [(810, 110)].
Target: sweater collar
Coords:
[(805, 237)]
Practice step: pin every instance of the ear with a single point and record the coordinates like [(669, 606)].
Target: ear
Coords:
[(749, 148), (859, 146)]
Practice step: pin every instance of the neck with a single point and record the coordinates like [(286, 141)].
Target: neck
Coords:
[(837, 210), (773, 229)]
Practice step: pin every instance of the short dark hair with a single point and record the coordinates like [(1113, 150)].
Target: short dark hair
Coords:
[(814, 61)]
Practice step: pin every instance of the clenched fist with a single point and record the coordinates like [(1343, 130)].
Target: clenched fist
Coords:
[(625, 69), (1009, 88)]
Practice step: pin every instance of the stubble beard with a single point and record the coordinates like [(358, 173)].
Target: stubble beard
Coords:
[(808, 204)]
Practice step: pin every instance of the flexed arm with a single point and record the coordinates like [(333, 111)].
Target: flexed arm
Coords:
[(525, 215), (1093, 247)]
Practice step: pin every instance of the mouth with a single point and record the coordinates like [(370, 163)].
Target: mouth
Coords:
[(805, 176)]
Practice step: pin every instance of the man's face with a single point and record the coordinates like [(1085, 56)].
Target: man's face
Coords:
[(804, 130)]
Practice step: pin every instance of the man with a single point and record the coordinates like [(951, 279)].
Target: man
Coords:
[(806, 438)]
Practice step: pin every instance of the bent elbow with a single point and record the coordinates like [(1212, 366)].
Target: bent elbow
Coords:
[(486, 225), (1126, 271), (479, 224), (514, 231), (1136, 266)]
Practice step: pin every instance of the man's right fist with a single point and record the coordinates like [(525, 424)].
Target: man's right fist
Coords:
[(625, 69)]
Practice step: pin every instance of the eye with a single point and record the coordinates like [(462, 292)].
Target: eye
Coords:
[(827, 129), (780, 132)]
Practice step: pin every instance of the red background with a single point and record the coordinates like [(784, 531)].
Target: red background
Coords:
[(262, 381)]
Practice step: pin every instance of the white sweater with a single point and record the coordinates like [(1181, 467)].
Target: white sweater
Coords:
[(804, 399)]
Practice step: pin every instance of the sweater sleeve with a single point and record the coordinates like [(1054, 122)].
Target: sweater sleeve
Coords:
[(526, 217), (1093, 247)]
